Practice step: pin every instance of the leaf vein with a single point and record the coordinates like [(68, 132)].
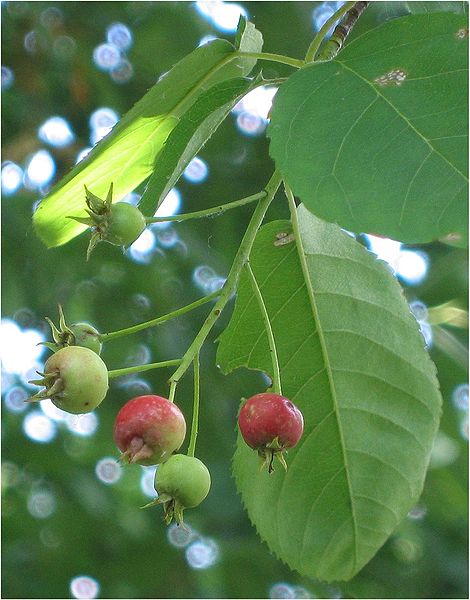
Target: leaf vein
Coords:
[(385, 464), (388, 420)]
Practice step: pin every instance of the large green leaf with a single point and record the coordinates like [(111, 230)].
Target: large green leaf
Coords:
[(352, 358), (376, 140), (127, 155)]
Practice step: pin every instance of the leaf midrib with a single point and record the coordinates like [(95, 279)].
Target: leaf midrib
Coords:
[(405, 119), (329, 370)]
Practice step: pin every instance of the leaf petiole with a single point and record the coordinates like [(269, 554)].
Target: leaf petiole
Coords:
[(208, 212), (286, 60), (104, 337), (269, 330)]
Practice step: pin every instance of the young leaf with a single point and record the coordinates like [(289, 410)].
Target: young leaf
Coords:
[(198, 124), (192, 131), (127, 155), (353, 360), (376, 140)]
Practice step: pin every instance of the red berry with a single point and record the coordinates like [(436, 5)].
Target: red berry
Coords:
[(148, 429), (270, 423)]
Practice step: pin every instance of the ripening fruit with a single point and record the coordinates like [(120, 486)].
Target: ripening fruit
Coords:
[(148, 429), (270, 424), (76, 380), (182, 482), (125, 224)]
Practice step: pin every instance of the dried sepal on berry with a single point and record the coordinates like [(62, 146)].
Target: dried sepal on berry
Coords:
[(77, 334)]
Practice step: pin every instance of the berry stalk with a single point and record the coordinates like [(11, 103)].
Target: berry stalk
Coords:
[(208, 212), (230, 285), (195, 420), (104, 337), (140, 368)]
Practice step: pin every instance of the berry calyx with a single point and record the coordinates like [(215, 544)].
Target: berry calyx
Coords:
[(75, 378), (270, 424), (182, 482), (77, 334), (148, 429), (119, 224)]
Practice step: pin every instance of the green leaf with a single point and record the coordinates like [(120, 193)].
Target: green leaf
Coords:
[(248, 39), (127, 155), (198, 124), (192, 131), (353, 360), (454, 6), (376, 140)]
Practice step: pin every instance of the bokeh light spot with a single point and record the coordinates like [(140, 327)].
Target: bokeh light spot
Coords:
[(41, 504), (38, 427), (142, 249), (57, 132), (106, 56), (108, 470), (122, 72), (202, 554), (12, 177), (119, 35), (179, 536), (460, 396), (82, 425), (84, 587), (196, 171), (40, 170), (281, 590), (412, 266), (19, 348), (168, 208), (8, 78), (147, 481), (15, 399)]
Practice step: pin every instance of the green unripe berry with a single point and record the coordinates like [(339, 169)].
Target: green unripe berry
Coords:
[(181, 482), (87, 336), (76, 380), (125, 224)]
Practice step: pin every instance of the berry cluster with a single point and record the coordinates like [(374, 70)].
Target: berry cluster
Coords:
[(150, 429)]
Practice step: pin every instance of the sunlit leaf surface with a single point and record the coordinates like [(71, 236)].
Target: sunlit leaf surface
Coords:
[(127, 155)]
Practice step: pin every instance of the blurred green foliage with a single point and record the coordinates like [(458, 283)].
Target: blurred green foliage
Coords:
[(96, 529)]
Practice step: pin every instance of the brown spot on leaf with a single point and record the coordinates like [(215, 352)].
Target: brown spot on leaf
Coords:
[(462, 33)]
